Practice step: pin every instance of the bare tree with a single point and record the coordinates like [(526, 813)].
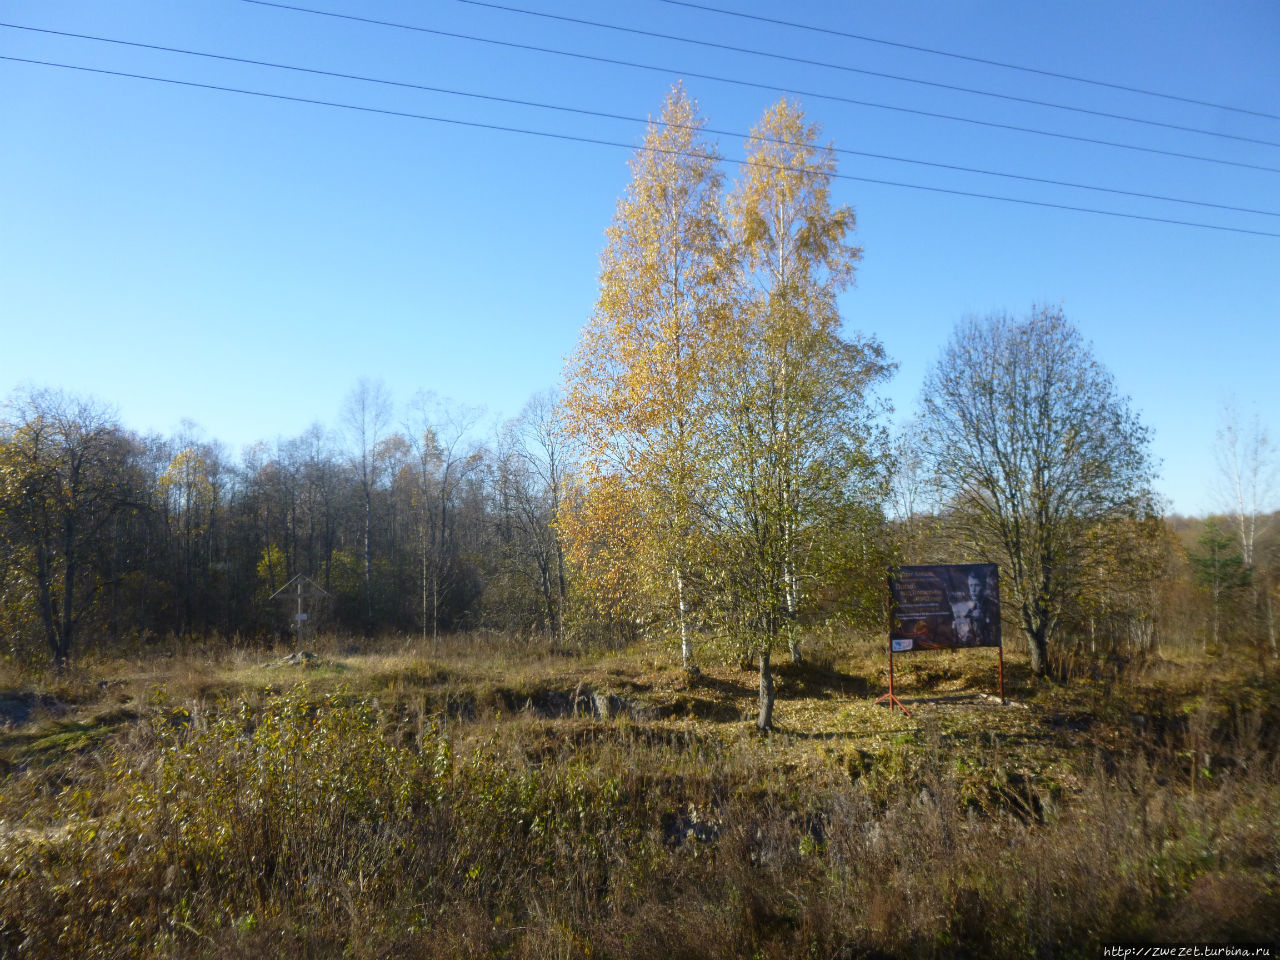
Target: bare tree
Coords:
[(1248, 472), (320, 474), (190, 494), (366, 415), (1036, 455), (527, 488), (540, 442), (440, 439), (1247, 476), (909, 488)]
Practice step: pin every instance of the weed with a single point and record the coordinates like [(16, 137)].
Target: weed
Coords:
[(363, 813)]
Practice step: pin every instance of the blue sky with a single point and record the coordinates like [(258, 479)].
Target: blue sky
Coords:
[(238, 261)]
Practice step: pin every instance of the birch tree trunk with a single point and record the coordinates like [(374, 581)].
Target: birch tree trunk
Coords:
[(686, 643), (764, 720)]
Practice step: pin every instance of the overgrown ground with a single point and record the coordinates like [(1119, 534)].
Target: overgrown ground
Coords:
[(490, 797)]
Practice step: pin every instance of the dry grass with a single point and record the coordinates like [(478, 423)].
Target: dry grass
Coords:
[(489, 797)]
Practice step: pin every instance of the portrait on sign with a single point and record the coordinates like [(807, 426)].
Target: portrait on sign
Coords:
[(944, 607)]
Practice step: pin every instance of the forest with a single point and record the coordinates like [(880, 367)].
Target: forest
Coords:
[(153, 542), (532, 707)]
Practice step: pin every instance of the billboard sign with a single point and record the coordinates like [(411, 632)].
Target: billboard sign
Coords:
[(944, 607)]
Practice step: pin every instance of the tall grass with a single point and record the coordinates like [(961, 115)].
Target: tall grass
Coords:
[(321, 822)]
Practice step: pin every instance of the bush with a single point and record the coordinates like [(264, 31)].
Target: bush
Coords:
[(337, 825)]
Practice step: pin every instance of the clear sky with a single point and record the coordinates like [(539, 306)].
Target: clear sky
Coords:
[(238, 261)]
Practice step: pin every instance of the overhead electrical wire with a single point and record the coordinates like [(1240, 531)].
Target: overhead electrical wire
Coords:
[(623, 117), (794, 91), (972, 59), (806, 61), (573, 138)]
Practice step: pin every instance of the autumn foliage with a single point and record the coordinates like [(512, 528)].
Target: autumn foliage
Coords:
[(725, 424)]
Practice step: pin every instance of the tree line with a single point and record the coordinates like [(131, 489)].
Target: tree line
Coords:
[(107, 536), (718, 469)]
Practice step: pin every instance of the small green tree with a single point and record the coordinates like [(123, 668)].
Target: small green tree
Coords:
[(1220, 570)]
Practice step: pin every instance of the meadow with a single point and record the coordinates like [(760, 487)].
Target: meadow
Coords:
[(493, 797)]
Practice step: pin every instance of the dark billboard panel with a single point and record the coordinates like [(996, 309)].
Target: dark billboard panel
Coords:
[(944, 607)]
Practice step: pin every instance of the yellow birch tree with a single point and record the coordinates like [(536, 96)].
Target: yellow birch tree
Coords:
[(800, 451), (637, 387)]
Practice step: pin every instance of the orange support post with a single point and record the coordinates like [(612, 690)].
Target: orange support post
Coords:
[(888, 698)]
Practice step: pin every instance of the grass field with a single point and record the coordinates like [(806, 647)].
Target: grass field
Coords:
[(497, 797)]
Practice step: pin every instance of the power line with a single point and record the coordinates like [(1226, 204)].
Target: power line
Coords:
[(869, 73), (623, 117), (573, 138), (793, 91), (972, 59)]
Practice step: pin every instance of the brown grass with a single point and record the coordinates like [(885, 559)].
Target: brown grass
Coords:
[(467, 799)]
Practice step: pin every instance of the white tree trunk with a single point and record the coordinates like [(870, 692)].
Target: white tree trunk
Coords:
[(686, 643)]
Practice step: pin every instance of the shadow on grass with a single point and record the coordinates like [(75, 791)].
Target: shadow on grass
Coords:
[(968, 672), (965, 697), (721, 687), (19, 707), (840, 736), (63, 738), (807, 680)]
